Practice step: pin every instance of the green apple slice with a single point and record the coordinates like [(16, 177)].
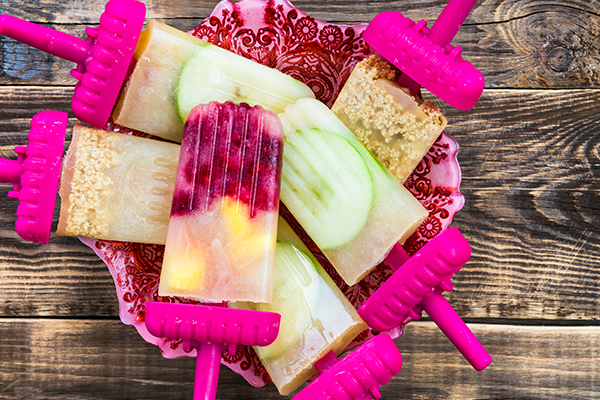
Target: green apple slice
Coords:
[(295, 294), (326, 185)]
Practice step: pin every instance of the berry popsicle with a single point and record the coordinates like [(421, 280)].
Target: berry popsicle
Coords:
[(222, 229), (117, 187), (347, 202), (308, 329), (221, 235), (170, 71)]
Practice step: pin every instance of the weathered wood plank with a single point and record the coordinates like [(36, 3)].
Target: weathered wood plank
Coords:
[(57, 359), (530, 166), (516, 43)]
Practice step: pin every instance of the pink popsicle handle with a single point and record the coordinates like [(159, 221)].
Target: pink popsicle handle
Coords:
[(46, 39), (208, 363), (444, 316), (450, 20)]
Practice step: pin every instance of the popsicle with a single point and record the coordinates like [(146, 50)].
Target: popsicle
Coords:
[(397, 127), (170, 72), (34, 175), (426, 57), (312, 336), (222, 229), (417, 284), (116, 186), (347, 202)]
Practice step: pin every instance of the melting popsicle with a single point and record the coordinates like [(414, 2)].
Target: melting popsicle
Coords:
[(312, 336), (417, 284), (171, 71), (347, 202)]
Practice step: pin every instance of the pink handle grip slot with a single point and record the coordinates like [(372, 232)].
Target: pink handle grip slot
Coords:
[(416, 284), (35, 175), (102, 60), (426, 57), (359, 375), (210, 329)]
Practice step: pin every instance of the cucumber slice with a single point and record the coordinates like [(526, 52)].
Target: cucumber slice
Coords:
[(296, 287), (326, 185), (215, 74)]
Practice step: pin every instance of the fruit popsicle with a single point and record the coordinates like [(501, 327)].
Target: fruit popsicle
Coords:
[(308, 329), (222, 229), (396, 127), (160, 73), (348, 203), (116, 186)]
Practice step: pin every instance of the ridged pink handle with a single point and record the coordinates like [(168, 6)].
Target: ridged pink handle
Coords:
[(103, 59), (359, 375), (426, 57), (35, 174), (210, 329)]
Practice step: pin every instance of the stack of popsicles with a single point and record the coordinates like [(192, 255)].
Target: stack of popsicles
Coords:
[(214, 200)]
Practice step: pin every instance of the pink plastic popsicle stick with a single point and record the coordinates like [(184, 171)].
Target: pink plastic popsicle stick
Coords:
[(35, 174), (359, 375), (206, 378), (449, 322), (450, 20), (46, 39)]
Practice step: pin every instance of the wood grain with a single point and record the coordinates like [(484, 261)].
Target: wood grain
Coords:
[(57, 359)]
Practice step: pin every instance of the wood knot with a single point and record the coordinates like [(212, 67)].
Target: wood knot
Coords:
[(559, 59)]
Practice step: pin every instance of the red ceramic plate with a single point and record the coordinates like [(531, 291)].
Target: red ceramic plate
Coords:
[(322, 55)]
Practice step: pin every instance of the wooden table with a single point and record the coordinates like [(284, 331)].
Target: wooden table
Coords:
[(530, 163)]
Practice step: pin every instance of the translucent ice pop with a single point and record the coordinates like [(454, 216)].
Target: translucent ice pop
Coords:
[(309, 329), (347, 202), (397, 127), (116, 186), (171, 71), (222, 230)]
